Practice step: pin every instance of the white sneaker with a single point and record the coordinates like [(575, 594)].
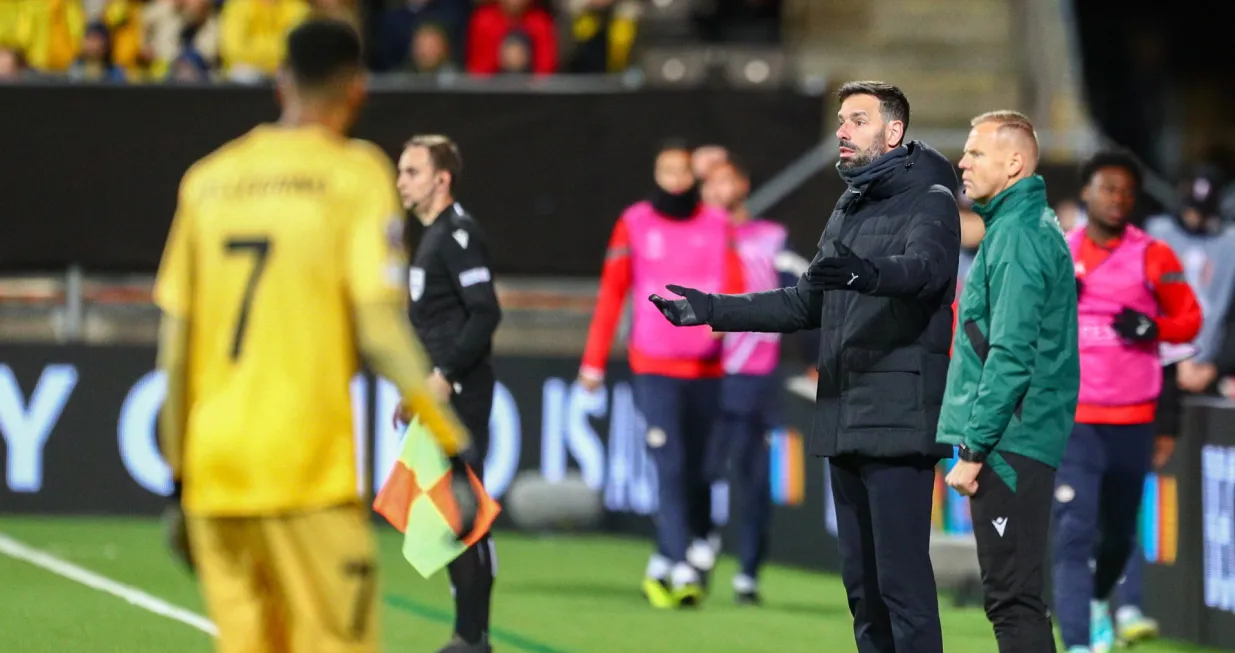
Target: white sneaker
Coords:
[(1132, 626), (701, 556)]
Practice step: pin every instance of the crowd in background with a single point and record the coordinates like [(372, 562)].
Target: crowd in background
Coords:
[(242, 40)]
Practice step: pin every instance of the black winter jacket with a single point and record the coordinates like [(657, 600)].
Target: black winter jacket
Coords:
[(883, 356)]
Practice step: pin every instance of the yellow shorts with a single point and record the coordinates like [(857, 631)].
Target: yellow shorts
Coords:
[(295, 583)]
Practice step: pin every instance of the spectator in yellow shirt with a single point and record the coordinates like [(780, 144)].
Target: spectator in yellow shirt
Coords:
[(10, 24), (178, 28), (50, 32), (123, 19), (603, 32), (252, 34)]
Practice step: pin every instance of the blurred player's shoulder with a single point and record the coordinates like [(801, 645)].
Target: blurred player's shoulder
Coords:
[(211, 165), (359, 167), (368, 151)]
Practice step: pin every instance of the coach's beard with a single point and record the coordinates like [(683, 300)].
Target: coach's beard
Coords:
[(860, 157)]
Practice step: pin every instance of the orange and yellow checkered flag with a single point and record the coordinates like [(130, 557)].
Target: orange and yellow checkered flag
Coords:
[(416, 499)]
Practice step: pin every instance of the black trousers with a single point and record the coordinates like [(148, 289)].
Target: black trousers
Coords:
[(883, 522), (1012, 532), (472, 574)]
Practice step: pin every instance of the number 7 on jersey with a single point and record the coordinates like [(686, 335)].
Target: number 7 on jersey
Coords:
[(259, 249)]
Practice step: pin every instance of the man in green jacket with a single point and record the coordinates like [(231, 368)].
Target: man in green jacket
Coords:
[(1014, 376)]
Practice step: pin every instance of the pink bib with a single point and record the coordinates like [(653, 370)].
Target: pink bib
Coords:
[(759, 243), (1113, 372), (688, 253)]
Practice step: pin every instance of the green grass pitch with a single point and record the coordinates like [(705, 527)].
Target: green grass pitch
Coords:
[(576, 594)]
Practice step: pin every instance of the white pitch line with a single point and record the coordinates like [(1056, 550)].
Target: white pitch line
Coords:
[(18, 551)]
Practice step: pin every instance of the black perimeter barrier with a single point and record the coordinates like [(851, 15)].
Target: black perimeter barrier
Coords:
[(92, 171), (78, 427)]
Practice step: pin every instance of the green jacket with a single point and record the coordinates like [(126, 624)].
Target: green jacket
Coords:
[(1015, 370)]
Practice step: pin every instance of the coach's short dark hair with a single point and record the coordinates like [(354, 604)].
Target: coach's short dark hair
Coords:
[(319, 50), (443, 153), (893, 105), (1112, 158)]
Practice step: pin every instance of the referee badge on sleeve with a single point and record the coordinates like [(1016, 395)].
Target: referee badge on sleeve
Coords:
[(474, 276), (416, 283)]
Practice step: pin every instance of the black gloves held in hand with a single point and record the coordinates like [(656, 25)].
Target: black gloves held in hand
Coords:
[(847, 271), (464, 494), (1135, 326), (176, 530), (693, 310)]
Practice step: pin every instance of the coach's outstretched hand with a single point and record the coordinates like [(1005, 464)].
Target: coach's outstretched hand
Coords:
[(847, 271), (693, 310), (176, 529), (463, 492)]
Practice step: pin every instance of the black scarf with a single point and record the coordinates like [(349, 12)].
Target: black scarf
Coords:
[(676, 205), (861, 177)]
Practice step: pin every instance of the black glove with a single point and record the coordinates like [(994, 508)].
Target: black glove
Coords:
[(1135, 326), (1080, 286), (848, 271), (464, 494), (176, 530), (694, 310)]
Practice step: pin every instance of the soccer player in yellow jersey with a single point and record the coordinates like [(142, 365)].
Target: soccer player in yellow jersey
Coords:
[(284, 266)]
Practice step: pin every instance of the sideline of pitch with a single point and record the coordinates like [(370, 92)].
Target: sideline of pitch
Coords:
[(65, 569), (150, 603)]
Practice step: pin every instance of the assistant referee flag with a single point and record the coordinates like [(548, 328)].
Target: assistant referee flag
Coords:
[(416, 499)]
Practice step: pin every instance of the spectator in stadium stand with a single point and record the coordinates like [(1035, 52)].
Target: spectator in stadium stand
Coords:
[(251, 36), (1133, 295), (492, 22), (123, 20), (880, 290), (94, 63), (12, 65), (431, 51), (51, 33), (10, 25), (189, 68), (677, 372), (181, 27), (602, 33), (516, 56), (398, 26)]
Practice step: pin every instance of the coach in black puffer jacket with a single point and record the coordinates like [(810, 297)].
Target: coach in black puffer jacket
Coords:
[(883, 353), (880, 291)]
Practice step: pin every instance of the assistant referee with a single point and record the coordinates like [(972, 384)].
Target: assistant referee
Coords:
[(454, 310)]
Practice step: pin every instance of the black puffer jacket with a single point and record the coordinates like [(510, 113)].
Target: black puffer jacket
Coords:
[(883, 356)]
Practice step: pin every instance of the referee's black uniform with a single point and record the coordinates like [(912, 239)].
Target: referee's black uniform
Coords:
[(454, 310)]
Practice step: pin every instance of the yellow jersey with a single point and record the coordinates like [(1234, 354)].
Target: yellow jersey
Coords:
[(276, 236)]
